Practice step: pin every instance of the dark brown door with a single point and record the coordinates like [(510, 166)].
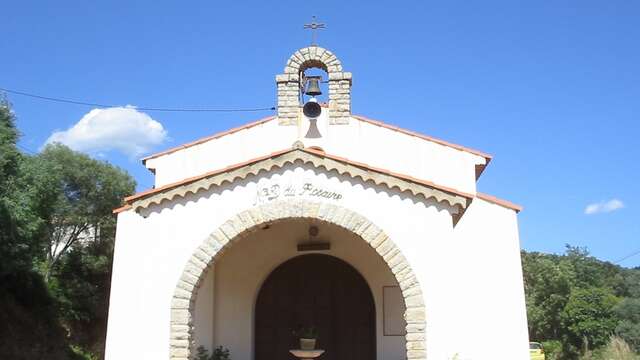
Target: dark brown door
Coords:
[(320, 291)]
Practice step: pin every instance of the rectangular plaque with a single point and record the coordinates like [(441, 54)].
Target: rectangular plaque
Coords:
[(314, 246), (393, 311)]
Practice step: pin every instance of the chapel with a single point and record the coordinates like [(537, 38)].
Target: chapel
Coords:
[(317, 224)]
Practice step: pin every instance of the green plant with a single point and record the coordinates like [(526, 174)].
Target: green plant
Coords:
[(201, 353), (552, 349), (219, 353), (309, 332), (618, 349), (81, 353)]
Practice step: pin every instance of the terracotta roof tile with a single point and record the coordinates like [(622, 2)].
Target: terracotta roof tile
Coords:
[(424, 137), (318, 153), (210, 137), (501, 202)]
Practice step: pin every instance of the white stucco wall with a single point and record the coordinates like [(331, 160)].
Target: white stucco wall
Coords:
[(358, 141), (243, 268), (470, 275)]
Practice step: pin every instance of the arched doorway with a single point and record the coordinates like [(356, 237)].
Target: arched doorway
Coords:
[(319, 291)]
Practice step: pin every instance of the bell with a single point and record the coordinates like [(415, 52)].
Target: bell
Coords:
[(313, 86)]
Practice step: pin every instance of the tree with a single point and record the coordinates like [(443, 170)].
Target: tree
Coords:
[(83, 193), (56, 218), (548, 284), (29, 327), (16, 246), (590, 317), (628, 310)]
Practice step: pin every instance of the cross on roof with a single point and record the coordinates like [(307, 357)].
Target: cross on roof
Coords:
[(314, 26)]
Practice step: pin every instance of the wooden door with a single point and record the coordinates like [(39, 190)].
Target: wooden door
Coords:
[(320, 291)]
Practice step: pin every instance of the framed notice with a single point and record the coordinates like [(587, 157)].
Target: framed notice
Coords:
[(393, 311)]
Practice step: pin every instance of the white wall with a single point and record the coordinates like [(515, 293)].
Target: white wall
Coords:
[(470, 276), (359, 141)]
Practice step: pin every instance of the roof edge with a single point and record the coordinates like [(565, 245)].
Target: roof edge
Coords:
[(319, 153), (210, 137), (201, 176), (504, 203), (487, 156), (388, 172), (121, 209)]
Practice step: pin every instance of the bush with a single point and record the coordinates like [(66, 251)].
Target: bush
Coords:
[(552, 349), (618, 349), (219, 353), (615, 349)]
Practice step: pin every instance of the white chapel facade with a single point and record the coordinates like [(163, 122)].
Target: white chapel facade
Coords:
[(375, 236)]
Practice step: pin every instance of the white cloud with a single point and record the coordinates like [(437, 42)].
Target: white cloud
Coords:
[(123, 129), (604, 207)]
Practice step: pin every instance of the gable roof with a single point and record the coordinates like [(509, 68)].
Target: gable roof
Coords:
[(317, 158), (479, 170), (210, 137)]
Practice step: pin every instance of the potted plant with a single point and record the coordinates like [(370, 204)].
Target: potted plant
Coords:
[(219, 353), (307, 337)]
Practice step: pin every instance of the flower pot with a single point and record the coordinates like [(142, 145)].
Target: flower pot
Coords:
[(307, 344)]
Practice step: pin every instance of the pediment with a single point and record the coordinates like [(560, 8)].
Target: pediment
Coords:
[(456, 200)]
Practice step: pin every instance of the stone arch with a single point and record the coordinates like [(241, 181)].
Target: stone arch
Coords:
[(240, 225), (310, 57), (289, 85)]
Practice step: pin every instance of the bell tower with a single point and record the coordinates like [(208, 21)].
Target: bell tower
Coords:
[(291, 86)]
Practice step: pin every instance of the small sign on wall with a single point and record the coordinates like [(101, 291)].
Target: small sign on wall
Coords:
[(393, 311)]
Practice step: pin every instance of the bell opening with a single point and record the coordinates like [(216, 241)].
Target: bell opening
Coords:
[(314, 85)]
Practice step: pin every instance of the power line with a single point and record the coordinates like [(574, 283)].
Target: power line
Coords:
[(26, 149), (98, 105), (627, 257)]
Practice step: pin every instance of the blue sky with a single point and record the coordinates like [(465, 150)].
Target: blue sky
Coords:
[(550, 88)]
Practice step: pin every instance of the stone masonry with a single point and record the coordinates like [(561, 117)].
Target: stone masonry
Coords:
[(184, 297), (289, 91)]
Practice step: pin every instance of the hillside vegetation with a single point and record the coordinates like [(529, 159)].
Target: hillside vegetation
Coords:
[(576, 303)]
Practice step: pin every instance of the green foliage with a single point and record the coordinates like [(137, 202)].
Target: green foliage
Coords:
[(219, 353), (29, 326), (55, 219), (82, 354), (308, 332), (547, 286), (19, 224), (84, 193), (615, 349), (628, 311), (9, 155), (552, 349), (578, 302), (590, 317)]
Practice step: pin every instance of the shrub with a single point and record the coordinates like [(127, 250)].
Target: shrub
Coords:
[(552, 349), (618, 349), (219, 353)]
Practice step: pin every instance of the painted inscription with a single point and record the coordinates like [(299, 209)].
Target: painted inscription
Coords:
[(281, 191)]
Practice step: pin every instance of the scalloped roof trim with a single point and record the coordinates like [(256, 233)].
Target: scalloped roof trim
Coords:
[(316, 158)]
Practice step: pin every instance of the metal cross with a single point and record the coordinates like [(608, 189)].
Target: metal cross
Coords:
[(314, 26)]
